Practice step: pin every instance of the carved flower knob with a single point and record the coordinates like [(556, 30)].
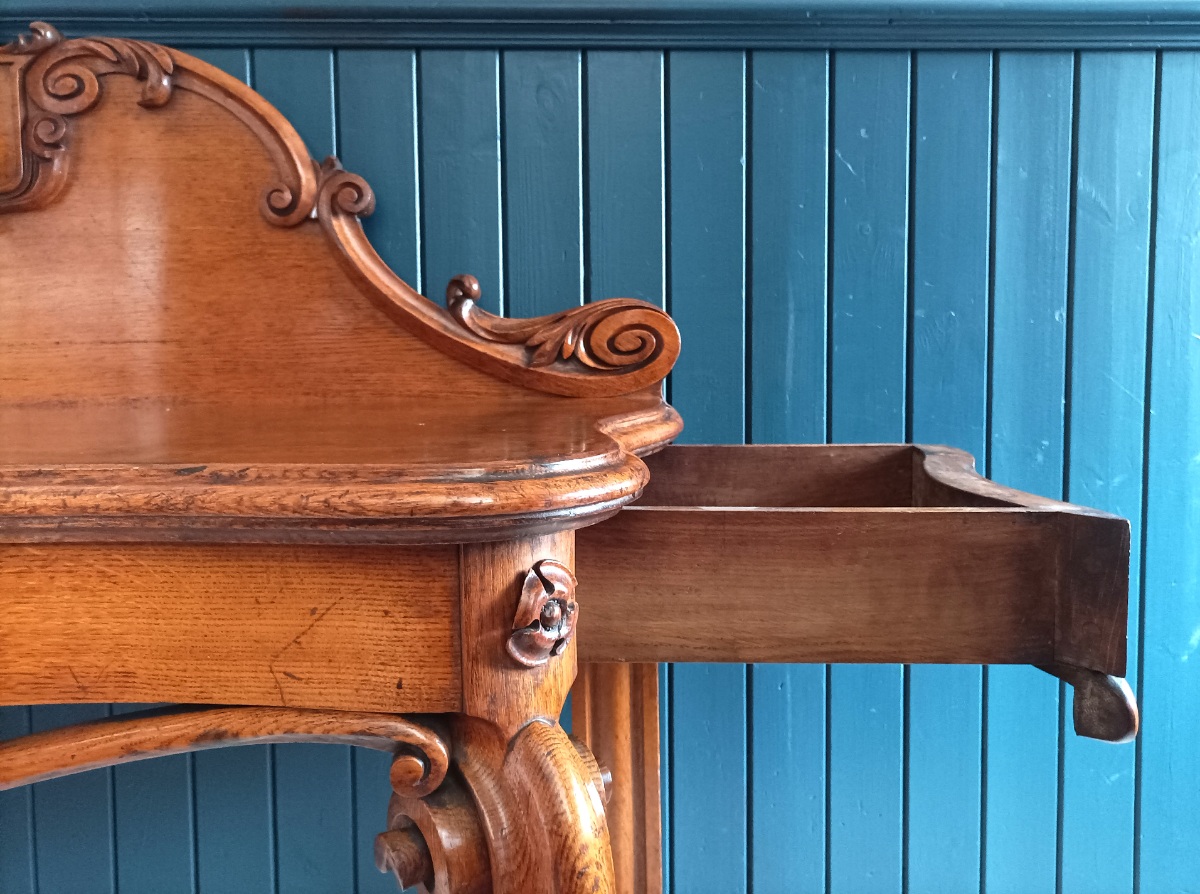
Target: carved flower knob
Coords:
[(546, 614)]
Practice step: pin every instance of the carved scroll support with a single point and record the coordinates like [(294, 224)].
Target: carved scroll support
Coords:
[(522, 808), (436, 844), (420, 763)]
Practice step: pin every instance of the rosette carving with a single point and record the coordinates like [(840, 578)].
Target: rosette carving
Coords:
[(614, 335), (546, 615), (61, 79)]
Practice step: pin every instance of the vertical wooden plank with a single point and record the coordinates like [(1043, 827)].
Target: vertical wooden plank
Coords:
[(616, 716), (73, 817), (378, 139), (626, 245), (951, 205), (789, 112), (460, 161), (1115, 146), (153, 823), (18, 873), (543, 181), (372, 791), (315, 842), (314, 846), (300, 84), (707, 233), (1032, 213), (235, 842), (1170, 858), (625, 229), (707, 297), (870, 239)]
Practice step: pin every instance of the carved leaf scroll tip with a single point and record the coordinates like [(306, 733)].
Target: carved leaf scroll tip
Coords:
[(546, 614), (615, 335), (41, 36)]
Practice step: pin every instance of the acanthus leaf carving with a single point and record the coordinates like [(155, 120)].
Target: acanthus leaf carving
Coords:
[(62, 80), (611, 347), (546, 614), (614, 335)]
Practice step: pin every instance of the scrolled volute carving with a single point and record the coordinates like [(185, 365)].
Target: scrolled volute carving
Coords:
[(419, 764), (332, 190), (342, 192), (614, 335), (546, 614), (63, 80)]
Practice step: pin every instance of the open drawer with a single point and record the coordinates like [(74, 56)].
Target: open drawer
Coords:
[(863, 553)]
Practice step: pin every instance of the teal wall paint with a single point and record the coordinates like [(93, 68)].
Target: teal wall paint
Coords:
[(994, 249)]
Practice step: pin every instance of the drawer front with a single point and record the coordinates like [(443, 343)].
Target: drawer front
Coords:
[(788, 586), (363, 628)]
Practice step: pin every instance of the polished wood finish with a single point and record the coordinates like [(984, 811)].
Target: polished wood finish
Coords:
[(1104, 705), (614, 710), (635, 343), (829, 583), (495, 687), (540, 801), (545, 620), (178, 201), (419, 751), (358, 628)]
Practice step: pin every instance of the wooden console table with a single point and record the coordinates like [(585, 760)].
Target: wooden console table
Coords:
[(247, 470)]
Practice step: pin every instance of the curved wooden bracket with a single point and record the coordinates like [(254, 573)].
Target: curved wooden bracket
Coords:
[(1104, 708), (419, 767)]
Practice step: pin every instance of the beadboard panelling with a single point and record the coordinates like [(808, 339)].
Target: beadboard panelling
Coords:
[(1029, 318), (1106, 405), (869, 236), (948, 380), (789, 273), (994, 249), (706, 235), (1169, 859)]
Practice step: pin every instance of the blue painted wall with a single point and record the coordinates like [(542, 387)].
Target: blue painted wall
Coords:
[(996, 249)]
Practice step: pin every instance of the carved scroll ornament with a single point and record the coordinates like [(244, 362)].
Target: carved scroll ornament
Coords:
[(611, 335), (605, 348), (546, 614), (61, 79)]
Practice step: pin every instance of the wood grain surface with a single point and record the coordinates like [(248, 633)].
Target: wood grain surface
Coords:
[(614, 710), (157, 733), (355, 628), (214, 305), (957, 569)]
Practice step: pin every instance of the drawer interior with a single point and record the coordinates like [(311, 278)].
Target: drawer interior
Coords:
[(819, 476)]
